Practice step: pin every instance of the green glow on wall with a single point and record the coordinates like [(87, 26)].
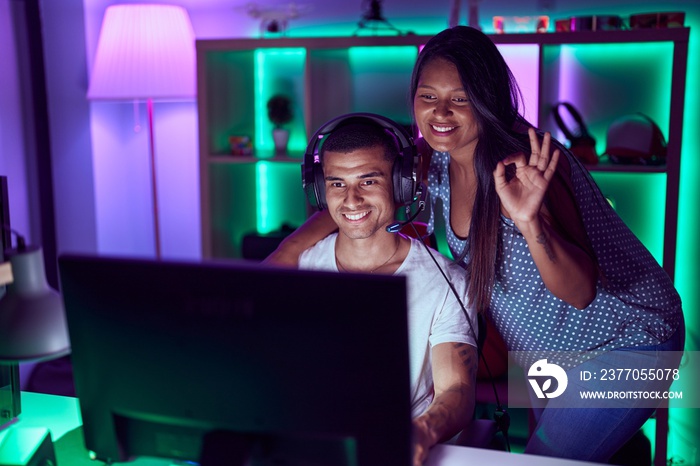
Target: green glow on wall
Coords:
[(260, 109), (372, 68), (423, 26), (683, 441), (279, 71), (688, 257), (262, 198), (640, 200), (279, 197)]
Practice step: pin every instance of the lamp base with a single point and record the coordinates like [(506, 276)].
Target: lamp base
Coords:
[(10, 405), (29, 446)]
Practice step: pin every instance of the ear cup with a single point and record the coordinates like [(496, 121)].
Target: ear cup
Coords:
[(319, 187), (312, 177), (404, 171)]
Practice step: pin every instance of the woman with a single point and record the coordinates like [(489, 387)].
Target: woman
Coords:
[(548, 259)]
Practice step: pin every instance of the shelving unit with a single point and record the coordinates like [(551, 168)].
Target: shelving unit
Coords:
[(605, 74), (602, 73), (325, 78), (602, 94)]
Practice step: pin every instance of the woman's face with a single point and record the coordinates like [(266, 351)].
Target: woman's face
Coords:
[(442, 109)]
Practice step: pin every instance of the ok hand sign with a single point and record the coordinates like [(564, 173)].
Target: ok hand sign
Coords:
[(522, 196)]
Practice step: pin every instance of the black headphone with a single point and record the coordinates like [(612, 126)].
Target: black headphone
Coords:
[(404, 171)]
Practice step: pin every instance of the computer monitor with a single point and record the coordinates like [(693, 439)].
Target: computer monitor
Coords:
[(213, 361)]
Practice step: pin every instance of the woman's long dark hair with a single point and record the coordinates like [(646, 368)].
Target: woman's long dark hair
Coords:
[(495, 99)]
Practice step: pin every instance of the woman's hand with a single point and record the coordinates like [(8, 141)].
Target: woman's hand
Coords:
[(522, 196), (316, 227), (283, 256), (567, 270)]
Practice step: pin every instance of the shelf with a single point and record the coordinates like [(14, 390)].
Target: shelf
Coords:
[(600, 72), (225, 159), (549, 38), (595, 37), (625, 168), (605, 74)]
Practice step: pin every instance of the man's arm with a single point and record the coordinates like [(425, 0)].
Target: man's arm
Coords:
[(317, 227), (454, 375)]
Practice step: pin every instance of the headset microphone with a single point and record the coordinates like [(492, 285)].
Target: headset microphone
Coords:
[(421, 194)]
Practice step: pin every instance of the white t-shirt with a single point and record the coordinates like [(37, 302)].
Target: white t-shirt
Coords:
[(434, 314)]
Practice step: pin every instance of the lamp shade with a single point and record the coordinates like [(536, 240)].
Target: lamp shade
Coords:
[(32, 321), (144, 52)]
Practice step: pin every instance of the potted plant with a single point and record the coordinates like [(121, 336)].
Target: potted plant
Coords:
[(279, 111)]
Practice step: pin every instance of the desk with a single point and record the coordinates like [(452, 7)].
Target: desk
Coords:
[(61, 415)]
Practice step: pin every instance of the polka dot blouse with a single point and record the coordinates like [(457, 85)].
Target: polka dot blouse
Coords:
[(635, 305)]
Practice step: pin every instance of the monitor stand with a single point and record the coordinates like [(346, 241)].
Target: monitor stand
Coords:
[(229, 448)]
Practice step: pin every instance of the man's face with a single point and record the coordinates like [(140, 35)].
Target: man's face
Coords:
[(359, 191)]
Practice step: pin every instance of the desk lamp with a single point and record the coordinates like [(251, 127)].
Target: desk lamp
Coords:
[(32, 328)]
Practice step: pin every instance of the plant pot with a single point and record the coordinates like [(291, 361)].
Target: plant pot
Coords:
[(281, 138)]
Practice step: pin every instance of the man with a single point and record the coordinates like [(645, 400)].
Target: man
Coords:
[(357, 160)]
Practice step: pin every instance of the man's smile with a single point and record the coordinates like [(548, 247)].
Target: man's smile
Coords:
[(356, 216)]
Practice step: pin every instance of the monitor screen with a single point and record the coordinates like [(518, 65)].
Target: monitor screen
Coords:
[(238, 363)]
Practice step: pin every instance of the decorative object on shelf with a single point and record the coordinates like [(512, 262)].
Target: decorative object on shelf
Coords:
[(374, 20), (635, 139), (453, 19), (145, 52), (257, 246), (542, 24), (499, 26), (674, 19), (589, 23), (279, 111), (473, 14), (274, 20), (240, 145), (582, 143), (520, 24)]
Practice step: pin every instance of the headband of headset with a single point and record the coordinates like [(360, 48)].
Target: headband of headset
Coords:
[(403, 172)]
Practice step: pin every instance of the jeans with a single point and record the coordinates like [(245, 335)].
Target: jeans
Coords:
[(566, 428)]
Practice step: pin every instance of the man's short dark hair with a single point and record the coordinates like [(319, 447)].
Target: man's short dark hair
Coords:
[(353, 136)]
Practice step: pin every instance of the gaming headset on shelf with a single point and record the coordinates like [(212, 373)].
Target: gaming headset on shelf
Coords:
[(407, 189)]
